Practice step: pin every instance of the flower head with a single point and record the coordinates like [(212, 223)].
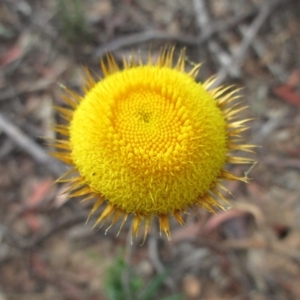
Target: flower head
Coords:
[(149, 141)]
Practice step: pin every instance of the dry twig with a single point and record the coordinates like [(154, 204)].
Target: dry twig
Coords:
[(150, 35), (30, 146), (157, 264), (128, 257), (205, 23), (231, 66), (281, 162), (29, 243), (261, 50)]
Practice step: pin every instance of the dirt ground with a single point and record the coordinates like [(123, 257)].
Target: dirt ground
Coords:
[(251, 251)]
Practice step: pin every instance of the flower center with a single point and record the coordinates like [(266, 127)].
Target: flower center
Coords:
[(150, 125)]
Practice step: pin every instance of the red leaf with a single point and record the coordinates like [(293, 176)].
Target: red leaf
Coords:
[(34, 201), (286, 93), (39, 192), (10, 56)]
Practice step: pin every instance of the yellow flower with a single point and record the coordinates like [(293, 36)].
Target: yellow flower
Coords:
[(149, 140)]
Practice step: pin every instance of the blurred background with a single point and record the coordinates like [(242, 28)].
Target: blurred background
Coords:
[(249, 252)]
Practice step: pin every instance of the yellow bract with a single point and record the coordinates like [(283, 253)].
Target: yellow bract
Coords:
[(150, 140)]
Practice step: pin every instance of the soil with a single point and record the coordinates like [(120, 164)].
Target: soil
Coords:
[(250, 251)]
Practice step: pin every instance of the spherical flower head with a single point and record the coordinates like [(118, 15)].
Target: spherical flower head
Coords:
[(149, 140)]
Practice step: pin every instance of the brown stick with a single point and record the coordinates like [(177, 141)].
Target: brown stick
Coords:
[(30, 146), (150, 35)]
